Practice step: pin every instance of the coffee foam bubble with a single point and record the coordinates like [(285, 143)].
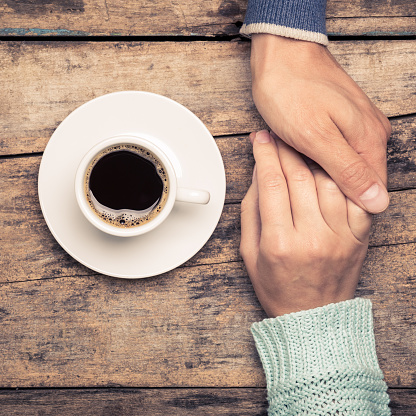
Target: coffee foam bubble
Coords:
[(126, 218)]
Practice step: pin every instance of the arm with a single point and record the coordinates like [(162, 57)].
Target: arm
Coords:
[(322, 362), (304, 243), (305, 96)]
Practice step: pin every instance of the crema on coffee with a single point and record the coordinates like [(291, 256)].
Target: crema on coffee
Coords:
[(126, 185)]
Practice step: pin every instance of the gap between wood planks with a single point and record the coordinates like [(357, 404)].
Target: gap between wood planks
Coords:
[(222, 136), (183, 266), (182, 38)]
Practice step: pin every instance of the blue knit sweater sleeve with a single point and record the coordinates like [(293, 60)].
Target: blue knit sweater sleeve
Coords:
[(322, 362), (298, 19)]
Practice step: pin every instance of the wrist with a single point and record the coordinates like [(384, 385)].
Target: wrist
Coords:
[(267, 49)]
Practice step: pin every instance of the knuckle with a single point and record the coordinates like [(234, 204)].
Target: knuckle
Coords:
[(243, 251), (276, 250), (377, 133), (327, 184), (380, 155), (270, 252), (301, 174), (389, 129), (355, 175), (308, 134), (245, 204), (246, 250), (321, 128), (315, 249), (271, 249), (382, 132), (263, 153), (274, 182), (383, 128), (248, 255)]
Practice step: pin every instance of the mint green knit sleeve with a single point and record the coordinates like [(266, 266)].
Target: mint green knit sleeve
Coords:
[(322, 362)]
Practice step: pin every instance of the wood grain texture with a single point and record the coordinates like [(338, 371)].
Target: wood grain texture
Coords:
[(42, 82), (402, 402), (401, 154), (185, 17), (238, 161), (371, 26), (189, 327), (30, 252), (363, 8), (158, 402), (186, 328), (62, 325), (135, 402), (388, 278), (236, 152)]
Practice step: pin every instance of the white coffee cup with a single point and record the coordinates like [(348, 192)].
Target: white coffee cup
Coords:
[(174, 193)]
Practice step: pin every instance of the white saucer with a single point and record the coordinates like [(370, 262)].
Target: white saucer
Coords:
[(198, 164)]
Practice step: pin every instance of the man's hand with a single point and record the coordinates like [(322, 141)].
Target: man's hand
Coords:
[(303, 242), (312, 104)]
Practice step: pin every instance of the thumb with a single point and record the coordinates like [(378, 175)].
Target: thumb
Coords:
[(359, 222), (357, 180)]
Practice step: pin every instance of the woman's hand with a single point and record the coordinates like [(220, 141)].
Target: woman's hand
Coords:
[(313, 105), (303, 242)]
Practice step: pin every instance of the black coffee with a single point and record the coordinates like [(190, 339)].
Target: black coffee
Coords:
[(126, 185)]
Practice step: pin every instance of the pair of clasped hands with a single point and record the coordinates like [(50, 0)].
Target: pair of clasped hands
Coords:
[(305, 221)]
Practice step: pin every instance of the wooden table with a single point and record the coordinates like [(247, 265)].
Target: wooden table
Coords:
[(73, 342)]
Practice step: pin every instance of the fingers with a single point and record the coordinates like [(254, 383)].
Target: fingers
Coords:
[(302, 188), (359, 222), (354, 176), (250, 222), (340, 213), (367, 132), (274, 203), (359, 141), (332, 202), (287, 195)]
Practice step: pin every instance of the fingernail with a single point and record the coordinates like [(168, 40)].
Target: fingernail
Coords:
[(252, 137), (263, 136), (375, 199)]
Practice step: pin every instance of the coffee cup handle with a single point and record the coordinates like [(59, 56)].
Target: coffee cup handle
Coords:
[(194, 196)]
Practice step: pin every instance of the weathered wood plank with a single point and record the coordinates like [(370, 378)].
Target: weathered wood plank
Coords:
[(402, 402), (30, 252), (42, 82), (373, 8), (238, 161), (401, 154), (133, 402), (158, 402), (401, 159), (115, 17), (388, 278), (187, 17), (371, 26), (186, 328), (236, 152)]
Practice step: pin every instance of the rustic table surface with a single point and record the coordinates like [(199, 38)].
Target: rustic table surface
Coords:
[(76, 342)]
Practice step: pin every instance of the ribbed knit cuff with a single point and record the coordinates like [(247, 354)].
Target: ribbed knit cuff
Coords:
[(322, 357), (297, 19)]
